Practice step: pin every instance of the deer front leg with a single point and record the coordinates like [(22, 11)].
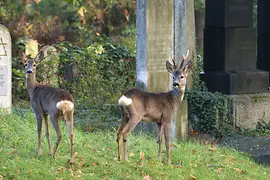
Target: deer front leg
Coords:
[(159, 140), (39, 128), (167, 128), (58, 133), (46, 117)]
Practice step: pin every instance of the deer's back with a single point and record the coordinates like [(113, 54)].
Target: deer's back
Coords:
[(153, 106), (47, 97)]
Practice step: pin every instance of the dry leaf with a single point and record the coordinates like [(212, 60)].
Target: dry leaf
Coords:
[(193, 132), (214, 148), (192, 177), (238, 170), (94, 164), (142, 155), (146, 177), (132, 154)]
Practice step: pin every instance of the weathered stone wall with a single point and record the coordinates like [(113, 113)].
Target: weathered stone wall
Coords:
[(249, 109)]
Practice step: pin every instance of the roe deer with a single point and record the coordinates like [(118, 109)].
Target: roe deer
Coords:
[(47, 101), (137, 105)]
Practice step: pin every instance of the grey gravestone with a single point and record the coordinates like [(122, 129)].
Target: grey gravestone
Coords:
[(263, 35), (161, 33), (5, 69), (230, 49), (229, 13), (154, 46)]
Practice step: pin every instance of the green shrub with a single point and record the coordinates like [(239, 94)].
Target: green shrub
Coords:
[(208, 112)]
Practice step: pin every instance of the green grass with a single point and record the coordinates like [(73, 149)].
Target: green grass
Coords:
[(95, 156)]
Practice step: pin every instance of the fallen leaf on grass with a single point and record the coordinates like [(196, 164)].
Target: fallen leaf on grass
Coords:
[(142, 155), (193, 132), (94, 164), (214, 148), (132, 154), (238, 170), (76, 154), (147, 177), (191, 177)]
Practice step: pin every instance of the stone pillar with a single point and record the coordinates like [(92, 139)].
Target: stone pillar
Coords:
[(5, 69), (184, 39), (230, 49), (154, 46), (163, 31), (263, 35)]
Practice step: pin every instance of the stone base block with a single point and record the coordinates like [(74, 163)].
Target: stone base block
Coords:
[(249, 109), (236, 82)]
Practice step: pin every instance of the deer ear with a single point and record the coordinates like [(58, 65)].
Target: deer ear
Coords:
[(44, 52), (170, 67)]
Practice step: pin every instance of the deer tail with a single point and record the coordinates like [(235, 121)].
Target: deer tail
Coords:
[(124, 101), (65, 105)]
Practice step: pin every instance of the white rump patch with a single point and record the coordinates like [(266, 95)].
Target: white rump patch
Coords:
[(65, 105), (124, 101)]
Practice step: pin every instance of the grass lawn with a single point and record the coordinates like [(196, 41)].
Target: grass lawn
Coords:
[(95, 156)]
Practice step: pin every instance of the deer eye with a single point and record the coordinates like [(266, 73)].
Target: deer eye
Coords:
[(34, 65), (182, 76), (25, 65)]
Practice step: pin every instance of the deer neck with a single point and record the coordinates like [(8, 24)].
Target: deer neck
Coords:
[(31, 83), (177, 95)]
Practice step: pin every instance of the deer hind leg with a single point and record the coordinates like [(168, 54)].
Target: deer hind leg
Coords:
[(55, 124), (39, 129), (46, 117), (159, 140), (167, 128), (120, 131), (69, 122), (133, 121)]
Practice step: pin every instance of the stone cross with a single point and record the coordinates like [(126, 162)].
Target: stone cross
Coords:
[(5, 69)]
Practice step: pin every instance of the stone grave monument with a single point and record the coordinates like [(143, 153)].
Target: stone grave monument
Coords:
[(5, 69), (230, 49), (162, 33), (263, 36), (230, 59)]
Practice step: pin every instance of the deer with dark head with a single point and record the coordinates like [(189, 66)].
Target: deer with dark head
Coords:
[(137, 105), (48, 102)]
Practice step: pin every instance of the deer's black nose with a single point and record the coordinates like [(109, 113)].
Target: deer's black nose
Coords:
[(29, 71), (176, 84)]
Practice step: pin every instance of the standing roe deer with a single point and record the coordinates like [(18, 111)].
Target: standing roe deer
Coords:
[(48, 101), (137, 105)]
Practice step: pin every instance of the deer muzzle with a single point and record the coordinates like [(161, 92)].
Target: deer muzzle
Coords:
[(176, 84), (29, 71)]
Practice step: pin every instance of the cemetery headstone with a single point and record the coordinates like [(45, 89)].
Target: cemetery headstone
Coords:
[(5, 69), (263, 35), (230, 49), (161, 33)]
